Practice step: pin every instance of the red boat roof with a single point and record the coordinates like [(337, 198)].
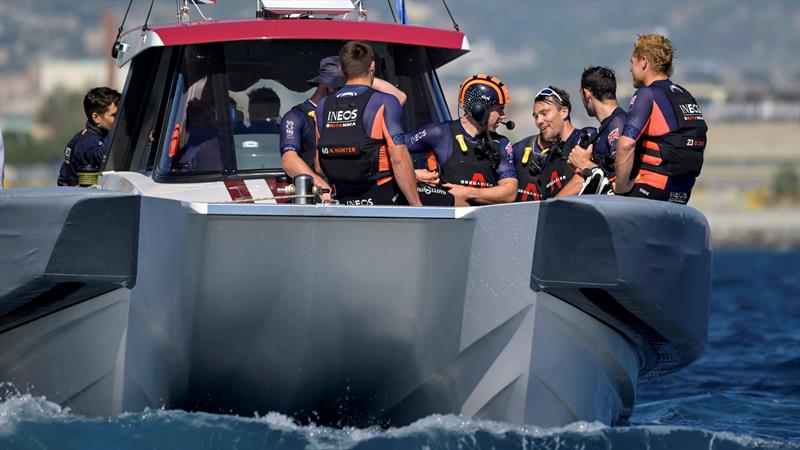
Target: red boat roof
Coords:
[(254, 29)]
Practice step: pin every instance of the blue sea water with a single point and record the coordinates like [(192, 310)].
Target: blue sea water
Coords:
[(743, 393)]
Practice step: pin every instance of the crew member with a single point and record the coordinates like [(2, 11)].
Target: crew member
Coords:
[(470, 158), (540, 160), (596, 162), (86, 150), (298, 140), (360, 146), (660, 153), (599, 95)]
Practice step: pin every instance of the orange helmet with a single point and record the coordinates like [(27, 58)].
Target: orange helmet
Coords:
[(479, 93)]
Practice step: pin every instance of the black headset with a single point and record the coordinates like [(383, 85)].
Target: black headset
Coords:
[(478, 112)]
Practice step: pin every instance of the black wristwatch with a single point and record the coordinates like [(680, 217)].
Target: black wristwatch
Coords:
[(586, 173)]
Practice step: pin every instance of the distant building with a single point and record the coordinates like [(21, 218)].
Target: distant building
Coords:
[(22, 93), (77, 75)]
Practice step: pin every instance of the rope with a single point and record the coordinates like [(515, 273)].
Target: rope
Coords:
[(122, 25), (392, 10), (144, 27), (455, 25)]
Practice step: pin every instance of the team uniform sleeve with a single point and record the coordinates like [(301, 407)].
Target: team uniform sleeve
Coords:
[(291, 133), (615, 129), (506, 167), (425, 138), (641, 107), (392, 120)]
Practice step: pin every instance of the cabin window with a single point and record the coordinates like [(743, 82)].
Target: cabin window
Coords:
[(193, 144), (134, 141), (223, 117)]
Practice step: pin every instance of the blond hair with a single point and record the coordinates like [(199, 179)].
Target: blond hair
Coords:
[(658, 50)]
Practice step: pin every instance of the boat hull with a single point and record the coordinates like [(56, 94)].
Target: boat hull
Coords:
[(339, 315)]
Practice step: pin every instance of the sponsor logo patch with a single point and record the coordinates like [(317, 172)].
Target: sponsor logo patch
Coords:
[(679, 197), (342, 118)]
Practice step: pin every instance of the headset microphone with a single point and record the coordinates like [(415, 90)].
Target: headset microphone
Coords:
[(509, 124)]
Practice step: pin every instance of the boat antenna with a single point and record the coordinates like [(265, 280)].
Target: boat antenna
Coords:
[(144, 27), (183, 11), (455, 25), (115, 47), (392, 10)]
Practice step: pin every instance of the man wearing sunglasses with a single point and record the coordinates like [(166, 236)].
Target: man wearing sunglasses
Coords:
[(660, 153), (472, 161), (542, 172)]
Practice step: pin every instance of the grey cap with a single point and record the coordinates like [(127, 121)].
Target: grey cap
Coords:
[(330, 73)]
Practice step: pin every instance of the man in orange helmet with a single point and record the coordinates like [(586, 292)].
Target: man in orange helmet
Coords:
[(473, 162)]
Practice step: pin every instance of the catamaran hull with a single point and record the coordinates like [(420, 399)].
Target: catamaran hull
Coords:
[(338, 315)]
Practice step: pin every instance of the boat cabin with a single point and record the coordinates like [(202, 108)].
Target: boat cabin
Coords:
[(203, 100)]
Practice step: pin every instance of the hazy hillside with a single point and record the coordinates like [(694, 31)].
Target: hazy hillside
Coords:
[(527, 43), (556, 36)]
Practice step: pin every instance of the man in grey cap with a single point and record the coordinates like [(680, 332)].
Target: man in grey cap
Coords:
[(298, 142), (298, 139)]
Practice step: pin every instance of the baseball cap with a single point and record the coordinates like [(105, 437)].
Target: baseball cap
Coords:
[(330, 73)]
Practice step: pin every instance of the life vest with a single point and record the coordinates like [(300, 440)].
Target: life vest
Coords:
[(470, 165), (678, 152), (309, 139), (346, 153), (556, 171), (528, 169)]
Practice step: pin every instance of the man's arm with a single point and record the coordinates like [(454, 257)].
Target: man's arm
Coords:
[(402, 166), (403, 171), (293, 127), (573, 186), (639, 112), (504, 192), (388, 88), (294, 165), (623, 164)]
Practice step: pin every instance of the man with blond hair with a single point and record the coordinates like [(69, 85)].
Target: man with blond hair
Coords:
[(660, 153)]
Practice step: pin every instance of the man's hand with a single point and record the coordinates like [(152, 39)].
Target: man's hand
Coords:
[(426, 176), (461, 193), (504, 192), (403, 171), (294, 165), (581, 158)]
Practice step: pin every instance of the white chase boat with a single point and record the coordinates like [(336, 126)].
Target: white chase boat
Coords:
[(188, 285)]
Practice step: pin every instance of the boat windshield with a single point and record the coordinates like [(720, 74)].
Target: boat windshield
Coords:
[(227, 101)]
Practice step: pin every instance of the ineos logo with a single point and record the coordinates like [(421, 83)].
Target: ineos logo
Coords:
[(690, 108), (339, 116)]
